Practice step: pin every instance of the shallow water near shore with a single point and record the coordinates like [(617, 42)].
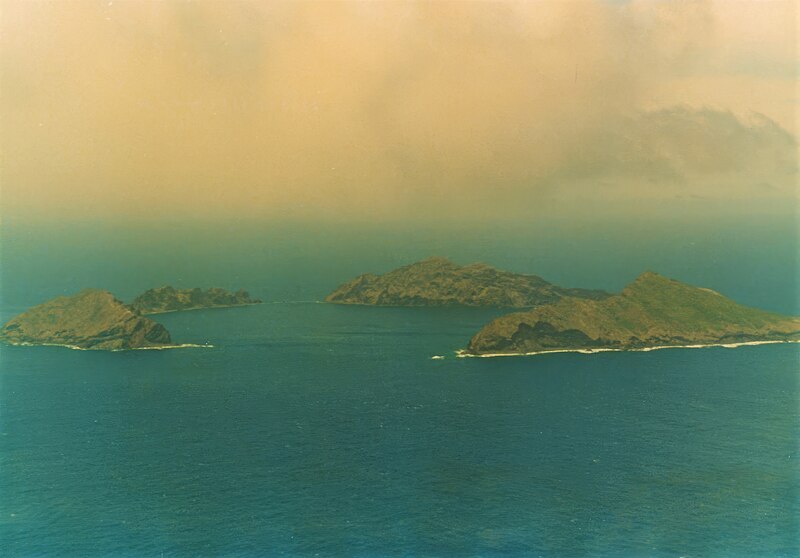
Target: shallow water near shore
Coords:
[(312, 429)]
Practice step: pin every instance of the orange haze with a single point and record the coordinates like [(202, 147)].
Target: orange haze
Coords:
[(377, 110)]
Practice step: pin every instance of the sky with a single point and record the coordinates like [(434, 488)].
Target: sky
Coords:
[(395, 111)]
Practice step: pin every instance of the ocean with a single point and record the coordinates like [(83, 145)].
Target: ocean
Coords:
[(311, 429)]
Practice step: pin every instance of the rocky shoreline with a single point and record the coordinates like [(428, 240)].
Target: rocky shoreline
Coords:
[(464, 354), (652, 312)]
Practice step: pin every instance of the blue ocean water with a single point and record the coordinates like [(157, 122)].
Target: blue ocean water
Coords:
[(320, 430)]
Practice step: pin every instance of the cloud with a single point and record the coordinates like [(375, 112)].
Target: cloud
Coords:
[(680, 151), (377, 110)]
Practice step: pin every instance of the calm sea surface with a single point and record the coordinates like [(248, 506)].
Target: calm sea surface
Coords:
[(318, 430)]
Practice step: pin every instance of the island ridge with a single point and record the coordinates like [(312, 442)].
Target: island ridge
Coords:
[(653, 311), (439, 282), (170, 299), (90, 319)]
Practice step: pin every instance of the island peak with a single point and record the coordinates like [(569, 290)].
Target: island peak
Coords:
[(434, 262), (90, 319), (169, 299), (650, 276), (437, 281), (435, 259), (651, 311)]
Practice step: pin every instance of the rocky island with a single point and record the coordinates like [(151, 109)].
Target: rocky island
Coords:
[(439, 282), (91, 319), (170, 299), (652, 312)]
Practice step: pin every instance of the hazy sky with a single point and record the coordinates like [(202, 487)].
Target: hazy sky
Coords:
[(392, 110)]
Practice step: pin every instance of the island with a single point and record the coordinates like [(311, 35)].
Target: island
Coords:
[(170, 299), (91, 319), (652, 312), (439, 282)]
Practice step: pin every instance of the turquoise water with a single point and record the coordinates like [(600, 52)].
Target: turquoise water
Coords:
[(318, 430)]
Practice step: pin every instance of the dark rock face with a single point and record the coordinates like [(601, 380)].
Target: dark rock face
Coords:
[(91, 319), (440, 282), (169, 299), (653, 311)]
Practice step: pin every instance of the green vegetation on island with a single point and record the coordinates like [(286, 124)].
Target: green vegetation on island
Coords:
[(653, 311), (170, 299), (439, 282), (90, 319)]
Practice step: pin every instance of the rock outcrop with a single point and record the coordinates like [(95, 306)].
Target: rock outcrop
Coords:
[(653, 311), (440, 282), (91, 319), (170, 299)]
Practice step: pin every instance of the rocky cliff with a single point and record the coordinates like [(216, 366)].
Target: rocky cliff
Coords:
[(650, 312), (440, 282), (91, 319), (170, 299)]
